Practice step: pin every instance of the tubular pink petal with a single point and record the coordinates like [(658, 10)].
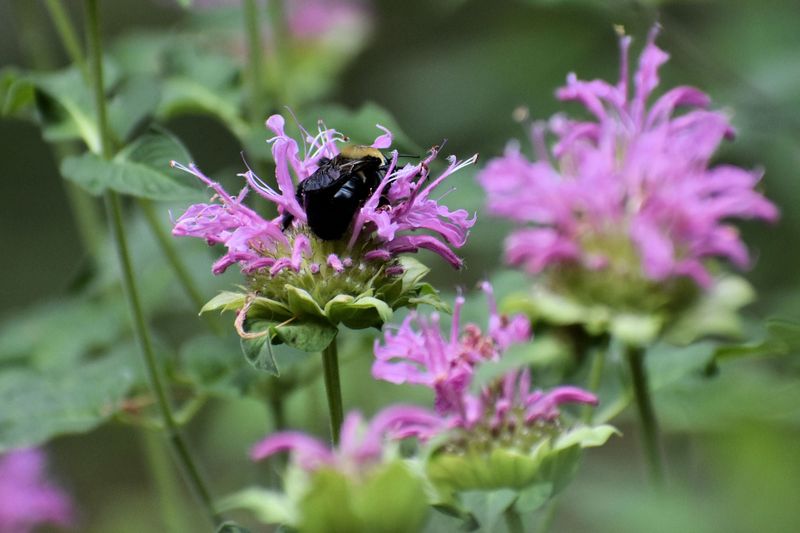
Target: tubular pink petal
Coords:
[(309, 452), (383, 141)]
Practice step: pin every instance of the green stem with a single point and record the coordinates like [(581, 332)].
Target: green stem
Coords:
[(276, 16), (595, 377), (255, 58), (67, 34), (647, 417), (85, 210), (173, 258), (548, 515), (166, 490), (513, 520), (333, 388), (114, 211)]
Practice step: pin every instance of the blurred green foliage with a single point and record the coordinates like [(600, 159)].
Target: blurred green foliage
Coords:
[(454, 70)]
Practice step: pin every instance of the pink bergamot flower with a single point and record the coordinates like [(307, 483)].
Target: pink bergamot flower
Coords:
[(27, 498), (357, 280), (626, 209)]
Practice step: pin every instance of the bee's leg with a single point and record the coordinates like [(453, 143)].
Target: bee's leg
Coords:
[(287, 218), (286, 221), (384, 199)]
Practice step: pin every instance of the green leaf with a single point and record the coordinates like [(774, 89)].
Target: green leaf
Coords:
[(213, 365), (360, 124), (306, 335), (231, 527), (39, 406), (66, 104), (135, 101), (635, 330), (53, 336), (786, 331), (488, 506), (413, 272), (585, 436), (225, 301), (268, 309), (258, 351), (428, 295), (68, 91), (783, 337), (156, 148), (714, 313), (138, 170), (16, 92), (185, 95), (532, 498), (268, 506)]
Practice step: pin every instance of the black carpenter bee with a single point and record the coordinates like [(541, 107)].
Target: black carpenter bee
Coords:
[(338, 188)]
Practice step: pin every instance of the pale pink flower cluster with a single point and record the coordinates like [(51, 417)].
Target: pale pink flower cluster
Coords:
[(27, 498), (636, 179), (418, 353)]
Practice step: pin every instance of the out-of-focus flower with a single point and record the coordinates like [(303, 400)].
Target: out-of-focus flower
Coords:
[(311, 19), (360, 448), (480, 436), (418, 352), (313, 40), (360, 486), (632, 190), (628, 204), (27, 498), (356, 280)]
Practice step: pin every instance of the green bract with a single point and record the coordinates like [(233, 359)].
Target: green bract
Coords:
[(551, 459), (636, 313), (388, 498), (304, 310)]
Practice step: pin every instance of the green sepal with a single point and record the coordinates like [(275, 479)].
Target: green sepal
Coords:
[(391, 499), (426, 294), (714, 313), (407, 282), (500, 468), (268, 506), (358, 313), (268, 309), (551, 460), (301, 303), (225, 301)]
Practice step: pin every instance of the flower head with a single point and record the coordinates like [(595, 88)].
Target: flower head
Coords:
[(343, 489), (27, 499), (630, 192), (418, 353), (480, 436), (400, 216)]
